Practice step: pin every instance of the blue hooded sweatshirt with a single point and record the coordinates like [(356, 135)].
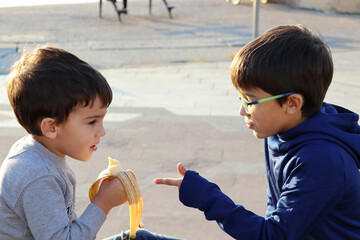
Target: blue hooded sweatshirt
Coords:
[(313, 184)]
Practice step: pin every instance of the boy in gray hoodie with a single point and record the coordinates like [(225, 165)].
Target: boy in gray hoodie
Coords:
[(61, 102)]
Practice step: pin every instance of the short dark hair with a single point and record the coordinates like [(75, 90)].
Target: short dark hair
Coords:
[(51, 82), (287, 58)]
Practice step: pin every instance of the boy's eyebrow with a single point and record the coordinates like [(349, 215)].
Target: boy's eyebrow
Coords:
[(95, 116)]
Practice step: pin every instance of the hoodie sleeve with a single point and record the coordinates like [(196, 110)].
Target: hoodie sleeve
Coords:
[(308, 194), (197, 192)]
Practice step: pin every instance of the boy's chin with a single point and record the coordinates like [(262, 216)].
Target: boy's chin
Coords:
[(82, 159), (86, 159), (259, 135)]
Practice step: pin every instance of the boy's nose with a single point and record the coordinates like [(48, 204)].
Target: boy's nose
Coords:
[(242, 111), (101, 131)]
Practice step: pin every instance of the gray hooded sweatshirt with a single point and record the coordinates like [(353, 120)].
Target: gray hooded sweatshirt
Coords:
[(37, 197)]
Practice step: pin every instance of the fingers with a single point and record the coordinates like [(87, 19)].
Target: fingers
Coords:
[(173, 181), (168, 181), (181, 169), (105, 180)]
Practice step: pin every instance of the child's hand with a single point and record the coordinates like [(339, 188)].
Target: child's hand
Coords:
[(173, 181), (111, 194)]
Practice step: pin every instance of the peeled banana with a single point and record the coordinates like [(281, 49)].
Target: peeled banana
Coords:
[(127, 178)]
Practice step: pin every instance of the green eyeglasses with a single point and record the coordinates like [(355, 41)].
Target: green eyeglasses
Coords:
[(247, 104)]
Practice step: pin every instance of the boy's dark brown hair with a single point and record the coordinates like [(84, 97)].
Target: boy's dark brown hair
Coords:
[(51, 82), (286, 58)]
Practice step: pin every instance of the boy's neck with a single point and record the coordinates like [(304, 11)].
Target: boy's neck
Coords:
[(47, 143), (295, 121)]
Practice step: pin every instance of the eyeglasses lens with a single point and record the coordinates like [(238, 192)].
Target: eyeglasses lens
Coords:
[(244, 105)]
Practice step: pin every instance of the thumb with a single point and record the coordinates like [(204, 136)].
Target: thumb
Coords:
[(181, 169)]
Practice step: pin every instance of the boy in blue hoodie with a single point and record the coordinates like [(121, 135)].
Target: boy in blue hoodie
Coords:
[(312, 149)]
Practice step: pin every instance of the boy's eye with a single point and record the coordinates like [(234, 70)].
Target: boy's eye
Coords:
[(92, 122), (245, 98)]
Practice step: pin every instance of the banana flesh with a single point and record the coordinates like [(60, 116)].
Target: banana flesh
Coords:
[(128, 179)]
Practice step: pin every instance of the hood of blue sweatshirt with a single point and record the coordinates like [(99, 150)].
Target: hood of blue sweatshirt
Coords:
[(331, 123)]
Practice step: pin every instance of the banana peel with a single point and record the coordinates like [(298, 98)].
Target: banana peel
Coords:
[(128, 179)]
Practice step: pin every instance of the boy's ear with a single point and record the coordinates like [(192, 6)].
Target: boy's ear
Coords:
[(48, 127), (294, 103)]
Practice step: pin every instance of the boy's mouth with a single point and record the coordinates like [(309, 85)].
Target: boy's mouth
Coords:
[(249, 125), (94, 147)]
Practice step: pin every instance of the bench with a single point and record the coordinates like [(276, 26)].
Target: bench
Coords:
[(124, 8)]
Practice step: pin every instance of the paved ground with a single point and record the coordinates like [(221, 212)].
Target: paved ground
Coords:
[(173, 98)]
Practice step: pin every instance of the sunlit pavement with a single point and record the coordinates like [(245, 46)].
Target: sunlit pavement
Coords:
[(173, 97)]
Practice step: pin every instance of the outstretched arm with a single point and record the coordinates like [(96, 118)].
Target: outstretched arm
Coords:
[(300, 206), (173, 181)]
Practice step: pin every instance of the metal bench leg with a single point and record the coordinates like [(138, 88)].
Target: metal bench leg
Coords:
[(119, 12), (100, 8), (150, 3), (116, 9), (169, 8)]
